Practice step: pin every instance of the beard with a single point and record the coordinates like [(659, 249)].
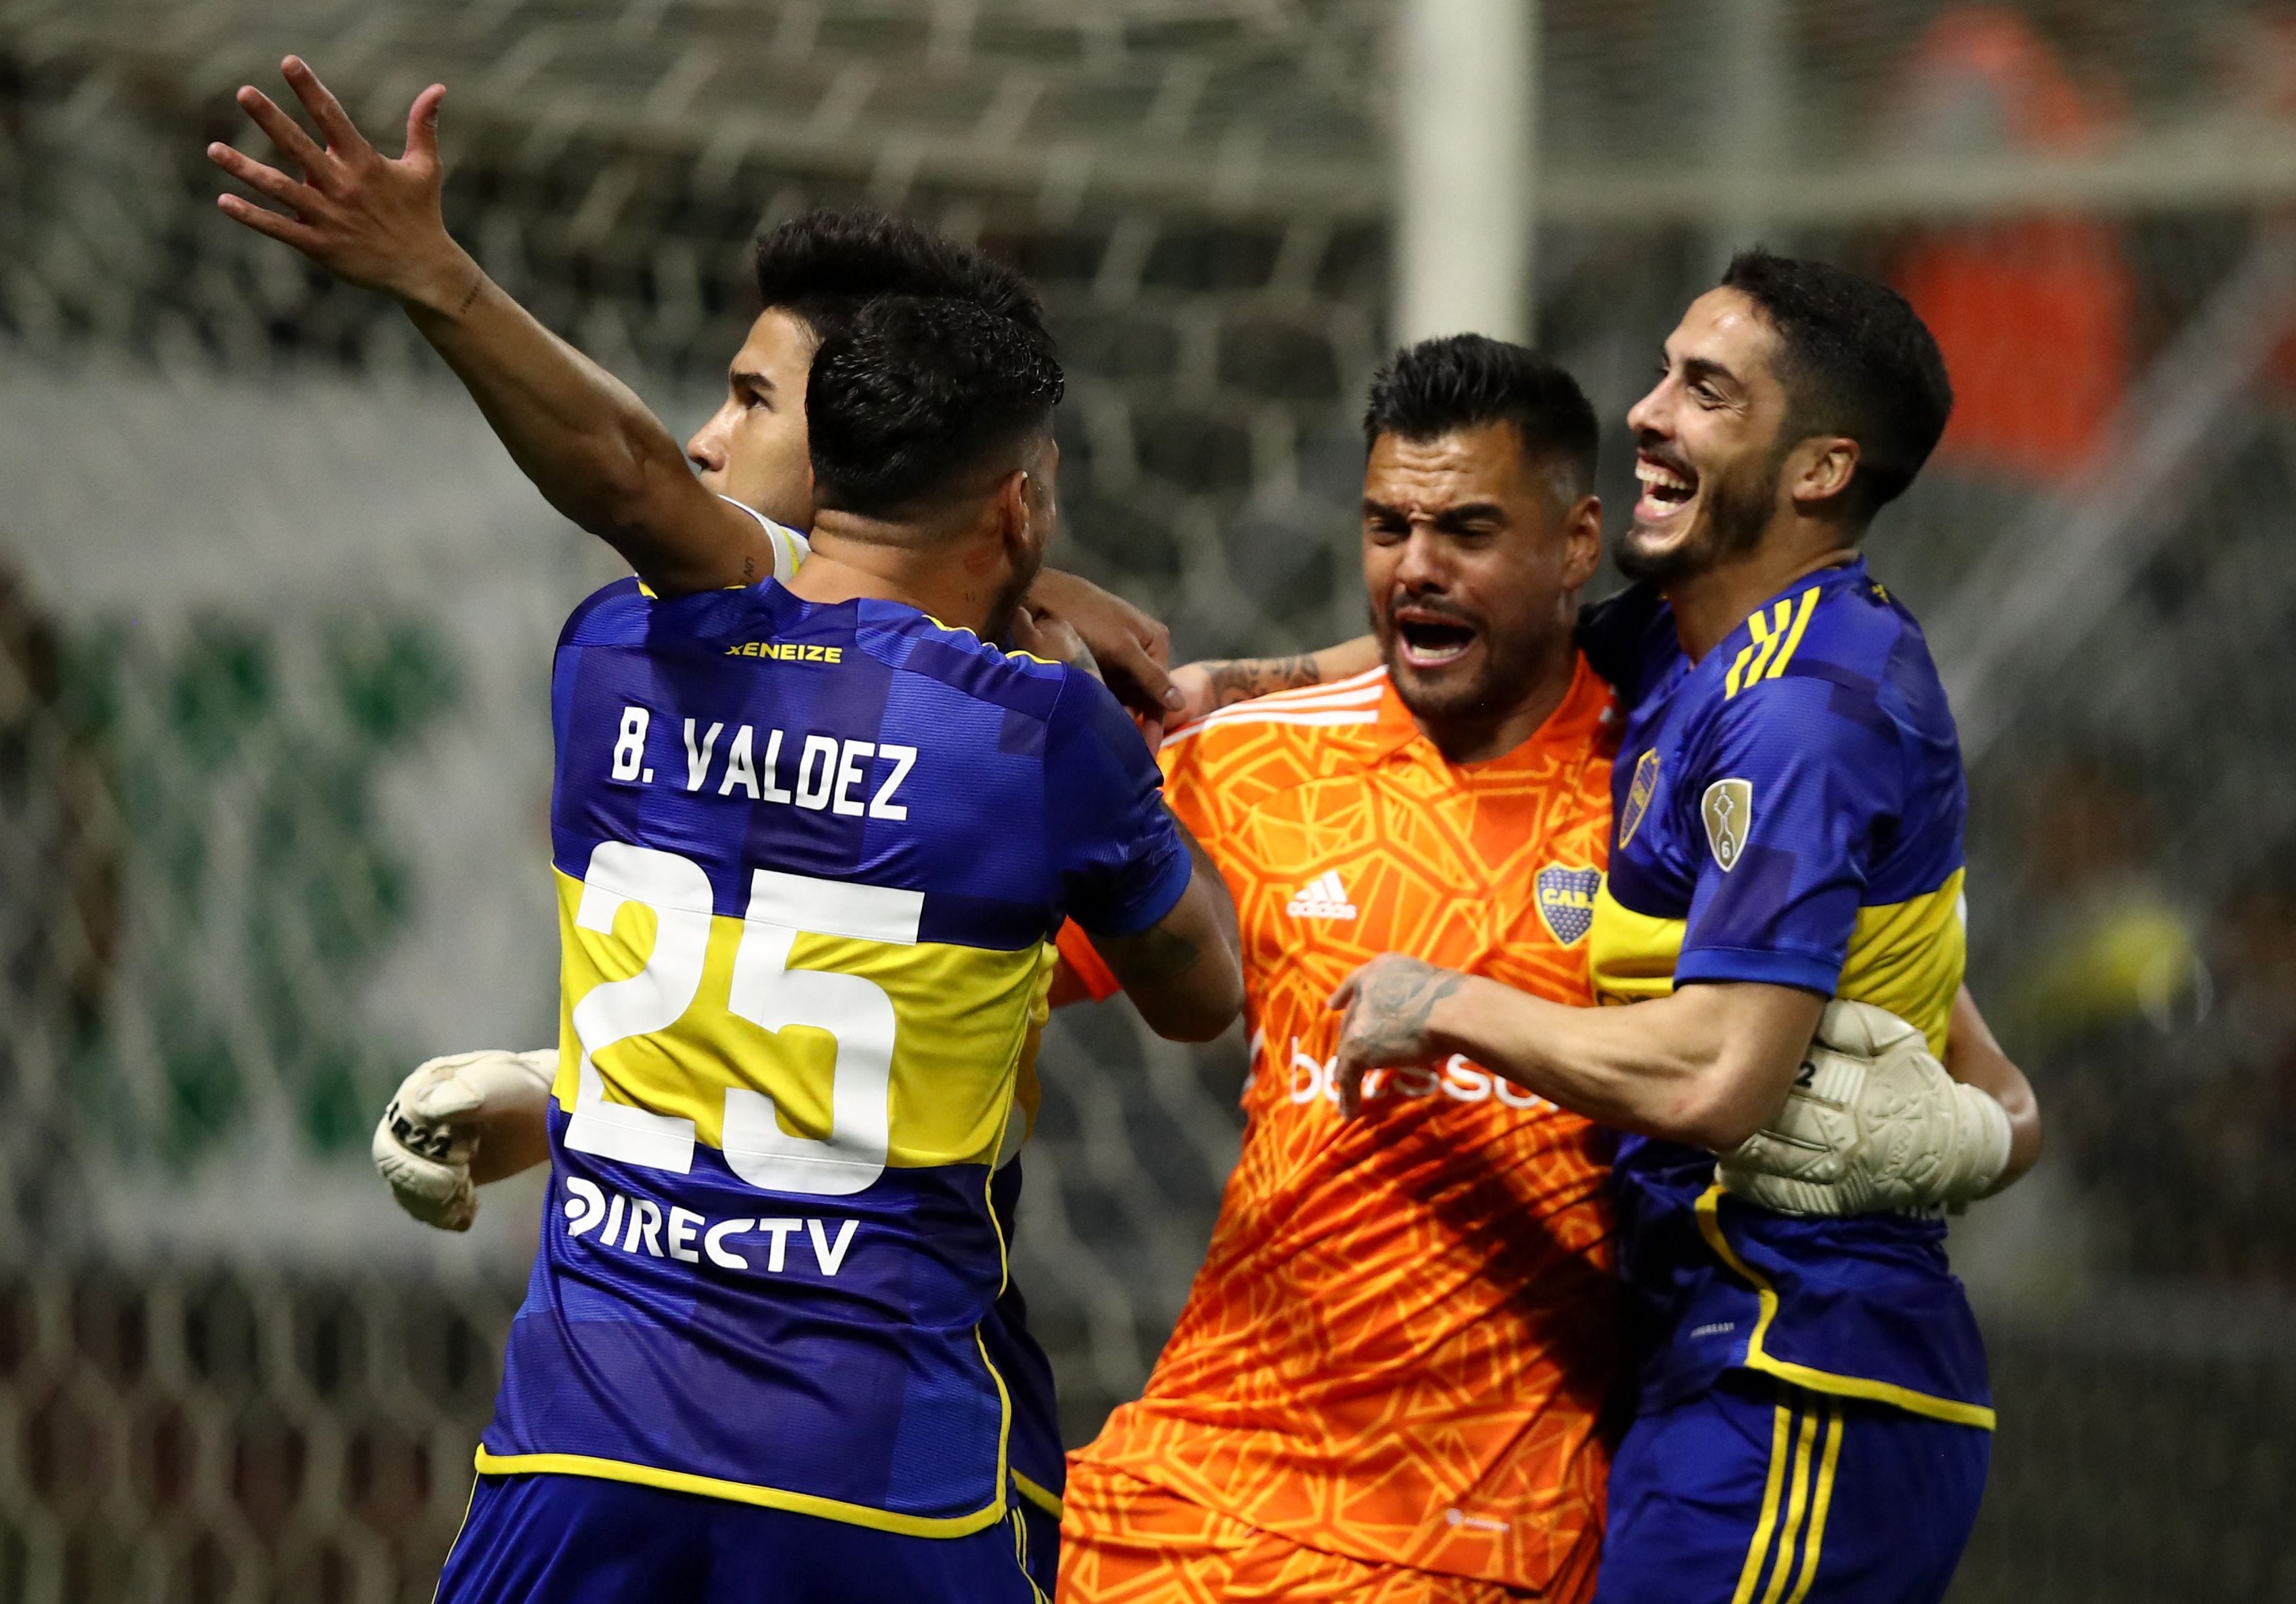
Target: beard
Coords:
[(998, 626), (1738, 507), (1509, 666)]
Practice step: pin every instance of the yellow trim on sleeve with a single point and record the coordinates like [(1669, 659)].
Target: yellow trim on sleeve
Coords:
[(1823, 1502), (1044, 1498), (1779, 1432), (1831, 1383), (745, 1492)]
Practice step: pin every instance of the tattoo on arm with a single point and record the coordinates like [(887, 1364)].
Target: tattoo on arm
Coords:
[(1391, 1012), (1241, 679), (470, 300)]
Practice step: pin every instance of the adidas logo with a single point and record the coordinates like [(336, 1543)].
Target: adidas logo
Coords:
[(1321, 898)]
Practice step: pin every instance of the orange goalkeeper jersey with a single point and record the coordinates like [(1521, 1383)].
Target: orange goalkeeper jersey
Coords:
[(1399, 1344)]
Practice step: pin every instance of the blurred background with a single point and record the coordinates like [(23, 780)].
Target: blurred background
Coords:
[(276, 617)]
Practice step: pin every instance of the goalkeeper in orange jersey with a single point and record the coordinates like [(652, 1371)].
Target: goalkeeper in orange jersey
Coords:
[(1390, 1378)]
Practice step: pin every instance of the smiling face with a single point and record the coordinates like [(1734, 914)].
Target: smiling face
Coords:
[(1473, 558), (1710, 441), (753, 448)]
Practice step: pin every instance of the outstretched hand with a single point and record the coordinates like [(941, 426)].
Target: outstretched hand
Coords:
[(368, 220), (1390, 1002)]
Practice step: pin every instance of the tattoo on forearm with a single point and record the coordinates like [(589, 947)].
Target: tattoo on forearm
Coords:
[(1391, 1011), (1241, 679), (471, 299)]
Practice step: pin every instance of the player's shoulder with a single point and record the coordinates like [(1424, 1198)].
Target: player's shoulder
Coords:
[(1836, 655), (611, 615), (911, 642), (1841, 627), (1332, 719)]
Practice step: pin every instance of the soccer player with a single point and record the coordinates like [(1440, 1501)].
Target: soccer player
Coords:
[(1812, 1417), (604, 459), (877, 255), (809, 841), (1387, 1379)]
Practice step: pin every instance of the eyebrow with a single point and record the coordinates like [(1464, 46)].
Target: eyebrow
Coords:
[(743, 375), (1450, 519), (1705, 367)]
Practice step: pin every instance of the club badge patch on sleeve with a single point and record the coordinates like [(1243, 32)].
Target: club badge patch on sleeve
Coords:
[(1728, 810)]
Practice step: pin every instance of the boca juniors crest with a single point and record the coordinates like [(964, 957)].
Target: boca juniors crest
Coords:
[(1566, 900), (1638, 796)]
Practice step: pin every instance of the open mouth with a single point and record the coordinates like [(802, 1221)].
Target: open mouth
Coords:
[(1430, 642), (1667, 490)]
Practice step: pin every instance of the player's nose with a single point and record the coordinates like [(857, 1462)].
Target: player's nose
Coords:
[(1642, 417), (1421, 568), (707, 449)]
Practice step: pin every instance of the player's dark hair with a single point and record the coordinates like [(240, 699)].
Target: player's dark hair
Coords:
[(1856, 360), (823, 267), (913, 395), (1438, 387)]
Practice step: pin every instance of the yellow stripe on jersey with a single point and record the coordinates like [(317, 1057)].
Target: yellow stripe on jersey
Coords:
[(1834, 1383), (1908, 957), (961, 1023), (1905, 956), (1777, 636), (1631, 957), (742, 1493)]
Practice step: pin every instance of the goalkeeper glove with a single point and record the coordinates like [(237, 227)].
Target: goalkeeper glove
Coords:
[(1872, 1124), (439, 1117)]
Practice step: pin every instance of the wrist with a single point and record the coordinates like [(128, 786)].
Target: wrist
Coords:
[(443, 282), (1451, 1021)]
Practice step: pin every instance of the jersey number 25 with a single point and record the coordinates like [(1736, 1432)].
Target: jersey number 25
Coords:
[(765, 991)]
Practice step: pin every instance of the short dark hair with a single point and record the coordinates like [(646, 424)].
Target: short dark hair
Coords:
[(1856, 360), (823, 268), (912, 394), (1438, 387)]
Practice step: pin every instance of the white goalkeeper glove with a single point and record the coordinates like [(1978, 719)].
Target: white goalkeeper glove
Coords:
[(1872, 1123), (438, 1117)]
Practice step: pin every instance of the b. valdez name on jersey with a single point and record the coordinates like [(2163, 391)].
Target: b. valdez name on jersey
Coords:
[(804, 895), (1789, 810)]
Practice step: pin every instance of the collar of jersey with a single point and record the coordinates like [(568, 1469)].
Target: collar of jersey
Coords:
[(1575, 722), (1839, 577)]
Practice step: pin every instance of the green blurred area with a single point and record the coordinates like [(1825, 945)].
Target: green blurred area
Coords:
[(259, 888)]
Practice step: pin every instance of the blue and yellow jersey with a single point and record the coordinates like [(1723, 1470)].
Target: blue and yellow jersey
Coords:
[(1789, 809), (808, 857)]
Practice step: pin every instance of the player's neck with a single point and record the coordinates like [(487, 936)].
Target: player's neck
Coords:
[(845, 565), (1708, 606), (1479, 740)]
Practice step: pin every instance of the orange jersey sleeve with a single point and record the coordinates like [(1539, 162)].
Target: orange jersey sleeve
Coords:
[(1403, 1335)]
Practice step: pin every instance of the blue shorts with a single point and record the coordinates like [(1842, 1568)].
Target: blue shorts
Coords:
[(1757, 1493), (545, 1539)]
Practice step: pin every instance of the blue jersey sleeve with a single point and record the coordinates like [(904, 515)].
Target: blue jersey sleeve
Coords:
[(1796, 792), (1117, 854)]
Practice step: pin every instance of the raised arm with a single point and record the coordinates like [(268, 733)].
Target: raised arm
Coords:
[(588, 443)]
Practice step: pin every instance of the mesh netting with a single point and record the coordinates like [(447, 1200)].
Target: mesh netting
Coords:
[(275, 633)]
